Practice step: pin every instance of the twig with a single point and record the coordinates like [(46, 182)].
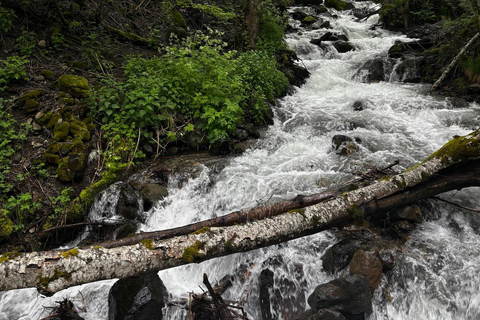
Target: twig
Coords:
[(456, 204), (217, 300)]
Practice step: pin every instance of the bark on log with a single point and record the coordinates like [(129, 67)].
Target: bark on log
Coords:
[(455, 165)]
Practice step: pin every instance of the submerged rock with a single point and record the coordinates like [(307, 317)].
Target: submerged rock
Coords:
[(369, 265), (344, 145)]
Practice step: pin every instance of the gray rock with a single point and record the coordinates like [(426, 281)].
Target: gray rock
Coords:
[(411, 213), (345, 145), (152, 193), (369, 265), (42, 44), (137, 298), (36, 127), (39, 115), (350, 295), (343, 46)]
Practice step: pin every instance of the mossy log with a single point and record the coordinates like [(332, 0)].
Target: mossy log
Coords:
[(454, 166)]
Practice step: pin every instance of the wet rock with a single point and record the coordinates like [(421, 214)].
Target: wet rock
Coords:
[(329, 36), (127, 205), (322, 314), (298, 15), (387, 256), (397, 50), (344, 145), (372, 71), (411, 213), (300, 74), (474, 88), (137, 298), (219, 148), (152, 193), (358, 106), (458, 102), (266, 285), (241, 134), (125, 230), (343, 46), (404, 226), (336, 4), (196, 140), (368, 265), (320, 9), (409, 69), (350, 295), (308, 20)]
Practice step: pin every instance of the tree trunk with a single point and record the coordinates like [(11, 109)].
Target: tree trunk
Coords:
[(454, 166)]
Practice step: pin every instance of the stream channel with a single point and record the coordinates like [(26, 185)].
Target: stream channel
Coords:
[(437, 275)]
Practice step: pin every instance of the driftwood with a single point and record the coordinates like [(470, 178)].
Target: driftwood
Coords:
[(454, 61), (456, 165)]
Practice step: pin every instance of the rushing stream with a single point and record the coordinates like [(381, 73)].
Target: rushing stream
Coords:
[(438, 274)]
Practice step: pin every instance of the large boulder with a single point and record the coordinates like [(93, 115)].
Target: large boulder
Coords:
[(411, 213), (137, 298), (372, 71), (369, 265), (152, 193), (343, 46), (350, 295)]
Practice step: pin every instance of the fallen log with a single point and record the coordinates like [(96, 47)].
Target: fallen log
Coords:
[(456, 165)]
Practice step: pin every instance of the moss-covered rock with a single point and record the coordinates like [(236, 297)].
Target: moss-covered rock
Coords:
[(309, 20), (31, 106), (76, 86), (61, 130), (47, 74), (79, 130), (34, 94), (335, 4), (178, 19), (53, 120), (6, 225), (72, 166)]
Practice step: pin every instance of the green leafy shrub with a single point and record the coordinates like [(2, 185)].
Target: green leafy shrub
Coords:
[(272, 26), (25, 43), (21, 209), (196, 78), (13, 68), (6, 19), (7, 136), (262, 80)]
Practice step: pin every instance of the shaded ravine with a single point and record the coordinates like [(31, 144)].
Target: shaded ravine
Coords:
[(437, 276)]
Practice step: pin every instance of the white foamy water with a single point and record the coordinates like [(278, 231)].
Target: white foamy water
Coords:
[(436, 278)]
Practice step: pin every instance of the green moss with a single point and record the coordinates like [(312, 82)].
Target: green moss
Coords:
[(148, 243), (336, 4), (50, 75), (399, 182), (61, 131), (97, 247), (79, 130), (459, 149), (57, 274), (6, 225), (53, 120), (298, 211), (52, 158), (9, 255), (76, 86), (202, 230), (46, 118), (315, 221), (192, 253), (309, 20), (31, 105), (228, 246), (386, 178), (178, 19), (127, 36), (356, 212), (72, 252), (352, 187), (32, 95)]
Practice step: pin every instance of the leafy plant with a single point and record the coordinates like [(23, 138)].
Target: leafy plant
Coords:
[(60, 203), (7, 137), (272, 26), (6, 19), (13, 68), (21, 209), (25, 43)]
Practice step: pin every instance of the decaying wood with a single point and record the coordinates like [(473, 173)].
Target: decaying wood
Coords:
[(454, 61), (456, 165)]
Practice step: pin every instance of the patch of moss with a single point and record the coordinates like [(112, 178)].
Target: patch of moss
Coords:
[(192, 253), (148, 243), (31, 105), (352, 187), (72, 252), (34, 94), (356, 212), (50, 75), (9, 255), (76, 86), (57, 274), (201, 231), (60, 132), (53, 120), (459, 149), (97, 247), (336, 4), (46, 118), (228, 246), (399, 182), (79, 130), (386, 178), (178, 19), (309, 20), (299, 211), (6, 224)]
